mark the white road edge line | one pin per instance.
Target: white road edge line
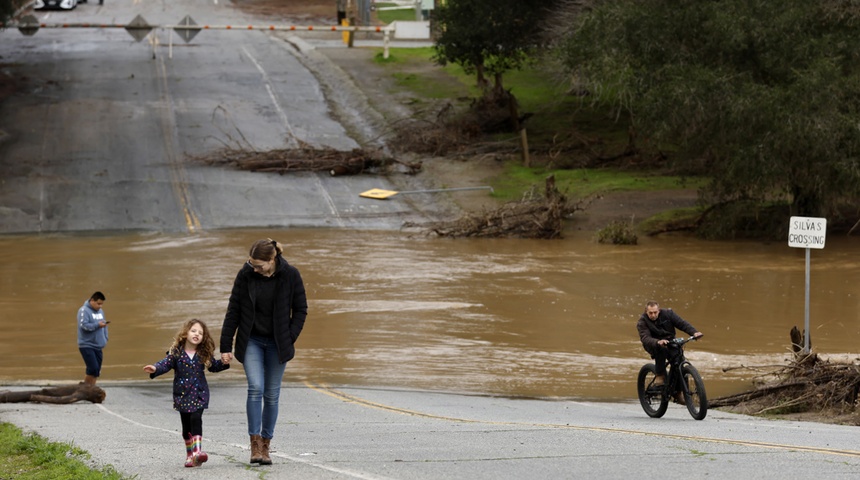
(281, 112)
(343, 471)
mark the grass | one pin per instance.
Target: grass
(402, 60)
(679, 217)
(556, 114)
(388, 16)
(33, 457)
(583, 182)
(536, 92)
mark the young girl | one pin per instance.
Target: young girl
(192, 350)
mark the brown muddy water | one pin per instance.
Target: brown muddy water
(507, 317)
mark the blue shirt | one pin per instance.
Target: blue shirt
(90, 335)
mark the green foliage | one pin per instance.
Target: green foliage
(745, 219)
(536, 88)
(488, 37)
(617, 233)
(761, 96)
(380, 58)
(33, 457)
(679, 219)
(7, 9)
(557, 113)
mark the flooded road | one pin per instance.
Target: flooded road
(507, 317)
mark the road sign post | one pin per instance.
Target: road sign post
(807, 232)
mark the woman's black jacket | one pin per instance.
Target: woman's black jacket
(290, 310)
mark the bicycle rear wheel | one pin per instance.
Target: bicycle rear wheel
(653, 398)
(697, 400)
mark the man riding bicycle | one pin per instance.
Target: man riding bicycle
(656, 328)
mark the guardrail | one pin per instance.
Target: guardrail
(187, 29)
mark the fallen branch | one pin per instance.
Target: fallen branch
(336, 162)
(58, 395)
(528, 218)
(806, 384)
(738, 398)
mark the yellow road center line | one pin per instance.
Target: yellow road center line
(747, 443)
(177, 170)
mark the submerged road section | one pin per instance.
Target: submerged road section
(327, 432)
(106, 133)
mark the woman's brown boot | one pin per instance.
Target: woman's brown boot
(264, 451)
(256, 449)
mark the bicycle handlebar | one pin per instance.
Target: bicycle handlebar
(681, 341)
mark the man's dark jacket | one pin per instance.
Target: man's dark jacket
(290, 310)
(663, 328)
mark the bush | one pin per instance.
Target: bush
(617, 233)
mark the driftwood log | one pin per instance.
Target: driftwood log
(797, 340)
(60, 395)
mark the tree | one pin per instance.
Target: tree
(488, 37)
(7, 9)
(762, 96)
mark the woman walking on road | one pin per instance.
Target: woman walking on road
(265, 313)
(193, 350)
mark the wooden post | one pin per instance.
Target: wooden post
(524, 142)
(385, 42)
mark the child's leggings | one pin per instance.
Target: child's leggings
(192, 423)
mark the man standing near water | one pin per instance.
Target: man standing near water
(92, 335)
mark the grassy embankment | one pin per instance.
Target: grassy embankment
(33, 457)
(557, 117)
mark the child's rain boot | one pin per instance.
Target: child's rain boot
(189, 459)
(197, 450)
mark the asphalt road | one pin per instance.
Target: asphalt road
(102, 139)
(350, 433)
(105, 132)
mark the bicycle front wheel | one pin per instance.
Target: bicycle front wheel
(651, 396)
(697, 400)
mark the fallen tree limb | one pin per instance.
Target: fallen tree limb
(738, 398)
(307, 159)
(806, 384)
(57, 395)
(531, 217)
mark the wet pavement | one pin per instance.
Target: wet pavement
(331, 432)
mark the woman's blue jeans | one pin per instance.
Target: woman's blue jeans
(265, 373)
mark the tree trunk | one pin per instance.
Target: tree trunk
(59, 395)
(805, 203)
(482, 79)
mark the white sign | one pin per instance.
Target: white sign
(807, 232)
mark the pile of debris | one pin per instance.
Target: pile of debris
(309, 159)
(442, 137)
(531, 217)
(806, 384)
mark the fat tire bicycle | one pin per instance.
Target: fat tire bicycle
(681, 376)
